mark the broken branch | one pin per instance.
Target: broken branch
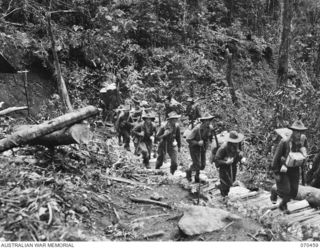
(147, 201)
(123, 180)
(226, 226)
(253, 237)
(153, 235)
(12, 109)
(50, 214)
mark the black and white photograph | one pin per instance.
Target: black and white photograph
(190, 121)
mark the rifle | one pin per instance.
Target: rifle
(302, 172)
(199, 188)
(216, 149)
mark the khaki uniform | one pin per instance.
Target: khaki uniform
(193, 113)
(144, 144)
(227, 172)
(124, 125)
(171, 135)
(287, 186)
(198, 153)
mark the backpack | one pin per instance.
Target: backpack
(216, 144)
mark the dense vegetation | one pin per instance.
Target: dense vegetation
(152, 47)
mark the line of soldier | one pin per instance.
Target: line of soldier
(140, 124)
(285, 166)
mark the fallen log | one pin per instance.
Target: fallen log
(76, 134)
(24, 136)
(12, 109)
(311, 194)
(303, 192)
(141, 200)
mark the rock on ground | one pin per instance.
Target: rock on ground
(198, 220)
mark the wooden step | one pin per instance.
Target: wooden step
(301, 213)
(296, 206)
(302, 218)
(314, 219)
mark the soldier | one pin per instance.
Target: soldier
(286, 163)
(198, 140)
(109, 100)
(170, 140)
(227, 157)
(118, 112)
(313, 175)
(136, 112)
(124, 125)
(192, 111)
(143, 131)
(168, 108)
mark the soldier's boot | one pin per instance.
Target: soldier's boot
(146, 163)
(197, 176)
(136, 151)
(283, 206)
(273, 196)
(127, 147)
(189, 175)
(119, 141)
(173, 168)
(158, 165)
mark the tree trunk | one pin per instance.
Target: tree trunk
(76, 134)
(230, 6)
(24, 136)
(61, 83)
(317, 65)
(229, 79)
(287, 15)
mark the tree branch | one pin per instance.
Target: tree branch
(63, 11)
(5, 15)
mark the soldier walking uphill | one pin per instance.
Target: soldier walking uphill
(313, 175)
(198, 143)
(136, 112)
(289, 156)
(123, 126)
(168, 108)
(192, 111)
(170, 141)
(226, 160)
(143, 132)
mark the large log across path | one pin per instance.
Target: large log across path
(77, 133)
(24, 136)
